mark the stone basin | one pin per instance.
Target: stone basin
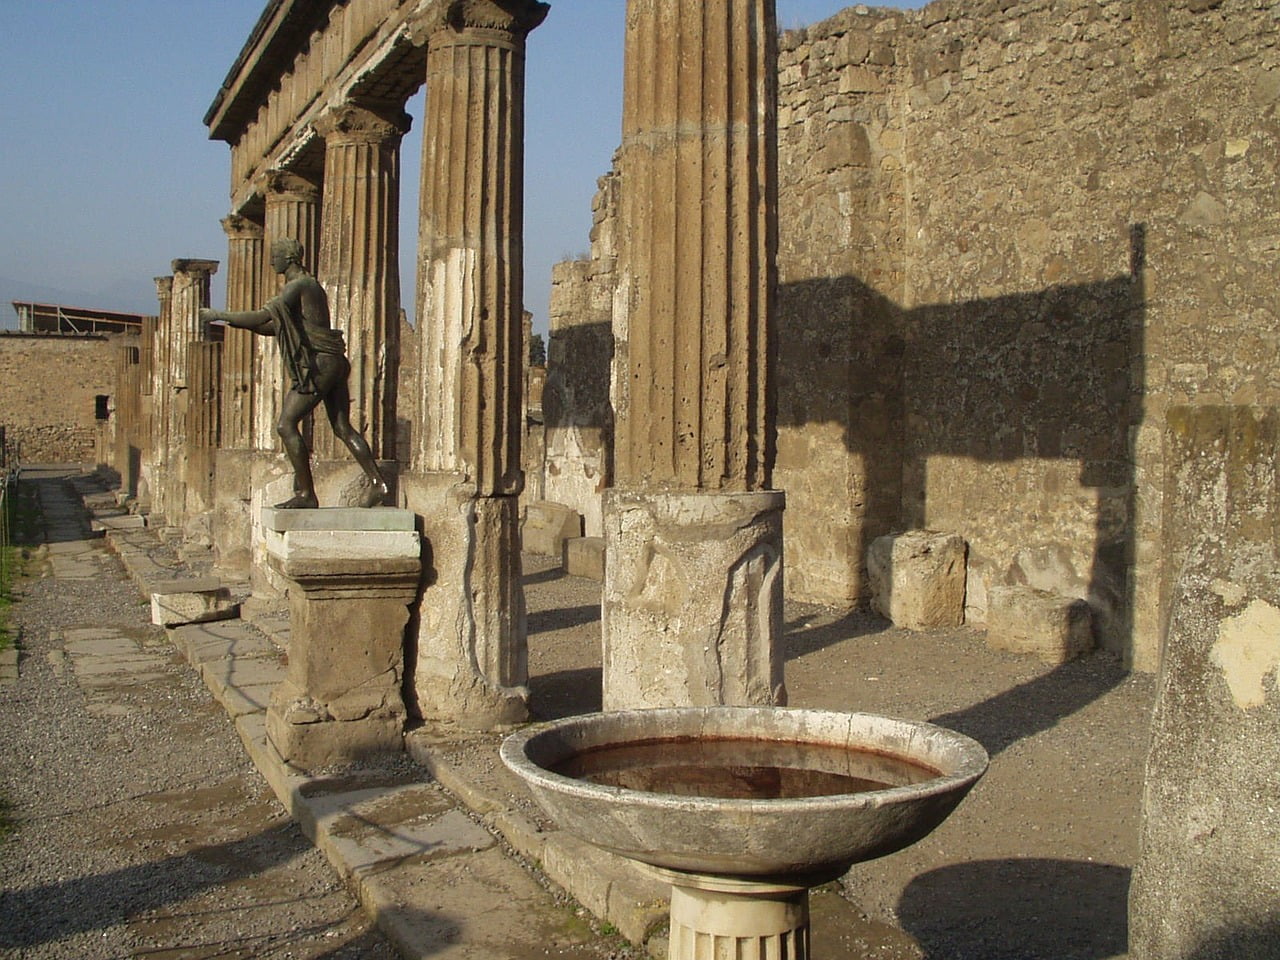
(789, 836)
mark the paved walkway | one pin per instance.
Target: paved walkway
(433, 878)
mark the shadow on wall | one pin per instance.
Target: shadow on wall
(1051, 375)
(1019, 909)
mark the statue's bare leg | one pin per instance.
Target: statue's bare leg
(296, 406)
(337, 404)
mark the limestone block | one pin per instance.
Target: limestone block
(547, 526)
(584, 557)
(131, 521)
(1022, 619)
(917, 578)
(176, 602)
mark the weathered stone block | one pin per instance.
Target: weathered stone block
(547, 526)
(584, 557)
(1022, 619)
(917, 578)
(176, 602)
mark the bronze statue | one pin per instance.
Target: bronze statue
(315, 356)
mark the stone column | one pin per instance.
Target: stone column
(161, 389)
(471, 661)
(203, 418)
(191, 281)
(245, 265)
(359, 263)
(693, 586)
(292, 210)
(1206, 885)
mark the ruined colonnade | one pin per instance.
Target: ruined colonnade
(314, 113)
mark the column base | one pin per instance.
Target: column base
(469, 659)
(693, 599)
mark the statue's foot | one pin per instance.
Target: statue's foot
(299, 501)
(375, 496)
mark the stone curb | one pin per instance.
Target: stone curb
(222, 651)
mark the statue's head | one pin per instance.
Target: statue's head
(285, 251)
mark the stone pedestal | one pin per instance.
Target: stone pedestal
(692, 599)
(714, 916)
(351, 575)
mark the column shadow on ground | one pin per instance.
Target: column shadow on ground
(51, 912)
(1019, 909)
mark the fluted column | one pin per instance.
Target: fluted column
(203, 417)
(470, 243)
(472, 656)
(244, 292)
(359, 262)
(693, 534)
(191, 282)
(161, 388)
(292, 205)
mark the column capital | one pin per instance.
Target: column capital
(237, 227)
(285, 184)
(515, 18)
(164, 287)
(207, 267)
(355, 122)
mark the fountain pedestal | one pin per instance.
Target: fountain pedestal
(742, 917)
(351, 575)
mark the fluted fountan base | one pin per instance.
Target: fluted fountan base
(692, 612)
(747, 919)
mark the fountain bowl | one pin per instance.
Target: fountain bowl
(786, 836)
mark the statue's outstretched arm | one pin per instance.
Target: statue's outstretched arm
(259, 321)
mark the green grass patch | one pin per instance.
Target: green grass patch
(19, 533)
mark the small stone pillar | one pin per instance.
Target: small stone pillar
(693, 572)
(351, 575)
(292, 210)
(1206, 884)
(359, 263)
(471, 656)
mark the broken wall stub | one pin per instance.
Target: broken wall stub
(1205, 884)
(983, 328)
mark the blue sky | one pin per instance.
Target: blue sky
(107, 174)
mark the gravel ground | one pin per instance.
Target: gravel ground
(139, 826)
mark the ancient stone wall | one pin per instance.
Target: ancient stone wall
(1009, 238)
(48, 395)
